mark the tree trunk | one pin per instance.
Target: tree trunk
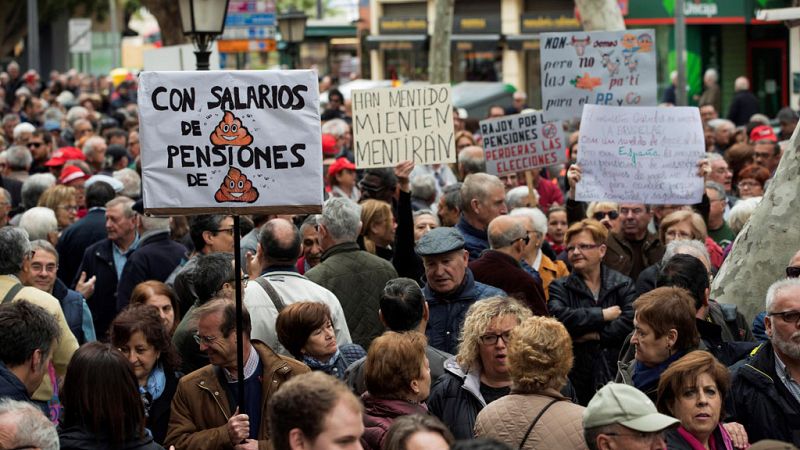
(439, 54)
(768, 241)
(168, 15)
(600, 15)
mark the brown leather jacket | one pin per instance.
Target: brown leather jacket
(200, 410)
(619, 254)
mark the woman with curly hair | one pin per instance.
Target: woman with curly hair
(539, 360)
(479, 374)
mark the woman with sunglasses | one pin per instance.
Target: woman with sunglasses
(606, 213)
(595, 304)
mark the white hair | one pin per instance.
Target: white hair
(741, 84)
(741, 212)
(335, 127)
(691, 247)
(342, 218)
(90, 144)
(23, 127)
(778, 287)
(32, 427)
(131, 182)
(711, 74)
(76, 113)
(18, 157)
(39, 222)
(516, 197)
(535, 215)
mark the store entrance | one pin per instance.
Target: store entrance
(768, 74)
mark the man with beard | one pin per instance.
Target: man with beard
(765, 394)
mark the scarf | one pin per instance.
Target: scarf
(327, 367)
(726, 443)
(152, 390)
(646, 378)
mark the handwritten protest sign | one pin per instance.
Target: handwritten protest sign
(521, 142)
(391, 125)
(640, 155)
(605, 68)
(230, 142)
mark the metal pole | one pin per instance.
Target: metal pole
(202, 55)
(115, 36)
(33, 36)
(680, 53)
(237, 269)
(319, 9)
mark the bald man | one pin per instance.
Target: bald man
(500, 265)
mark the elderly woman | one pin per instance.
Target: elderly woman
(163, 298)
(418, 431)
(606, 213)
(534, 261)
(424, 220)
(595, 303)
(398, 381)
(535, 414)
(377, 228)
(62, 200)
(305, 329)
(139, 333)
(752, 180)
(479, 374)
(664, 331)
(693, 390)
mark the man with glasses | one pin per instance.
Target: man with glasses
(40, 146)
(765, 393)
(621, 417)
(500, 265)
(205, 409)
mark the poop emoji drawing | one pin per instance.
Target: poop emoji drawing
(236, 187)
(230, 131)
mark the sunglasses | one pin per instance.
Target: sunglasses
(611, 215)
(793, 271)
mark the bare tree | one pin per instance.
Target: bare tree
(168, 15)
(600, 15)
(439, 55)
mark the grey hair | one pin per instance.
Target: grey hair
(45, 246)
(32, 427)
(18, 157)
(506, 237)
(716, 123)
(76, 113)
(711, 73)
(90, 144)
(10, 117)
(687, 247)
(311, 221)
(23, 127)
(6, 195)
(741, 212)
(15, 247)
(342, 218)
(471, 165)
(426, 212)
(718, 188)
(759, 118)
(335, 127)
(515, 198)
(534, 214)
(38, 222)
(741, 84)
(713, 156)
(777, 287)
(53, 113)
(150, 223)
(34, 186)
(126, 202)
(476, 186)
(423, 187)
(131, 182)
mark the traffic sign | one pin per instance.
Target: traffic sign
(250, 19)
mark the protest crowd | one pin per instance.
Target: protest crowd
(427, 306)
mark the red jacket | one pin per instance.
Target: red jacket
(378, 417)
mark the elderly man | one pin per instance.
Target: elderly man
(310, 249)
(21, 424)
(205, 410)
(28, 335)
(471, 160)
(483, 197)
(787, 119)
(711, 95)
(722, 174)
(354, 276)
(634, 249)
(451, 287)
(622, 417)
(449, 206)
(500, 266)
(16, 260)
(104, 261)
(744, 104)
(765, 396)
(279, 285)
(723, 134)
(766, 150)
(718, 228)
(534, 261)
(95, 151)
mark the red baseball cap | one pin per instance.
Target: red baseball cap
(63, 155)
(763, 133)
(328, 145)
(71, 173)
(339, 165)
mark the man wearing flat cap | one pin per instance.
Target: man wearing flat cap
(450, 287)
(622, 417)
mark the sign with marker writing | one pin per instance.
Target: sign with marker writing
(230, 142)
(640, 155)
(391, 125)
(604, 68)
(521, 142)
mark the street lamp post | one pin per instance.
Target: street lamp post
(292, 25)
(203, 20)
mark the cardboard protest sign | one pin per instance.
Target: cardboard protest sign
(640, 155)
(391, 125)
(605, 68)
(230, 142)
(522, 142)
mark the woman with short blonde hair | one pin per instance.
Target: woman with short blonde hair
(377, 228)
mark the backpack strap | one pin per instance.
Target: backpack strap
(12, 293)
(536, 420)
(271, 293)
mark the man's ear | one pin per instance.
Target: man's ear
(475, 205)
(768, 326)
(426, 313)
(36, 361)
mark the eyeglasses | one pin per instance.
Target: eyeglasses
(39, 267)
(68, 207)
(748, 184)
(793, 271)
(526, 239)
(582, 247)
(678, 235)
(491, 339)
(788, 316)
(599, 215)
(225, 230)
(35, 144)
(245, 280)
(208, 340)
